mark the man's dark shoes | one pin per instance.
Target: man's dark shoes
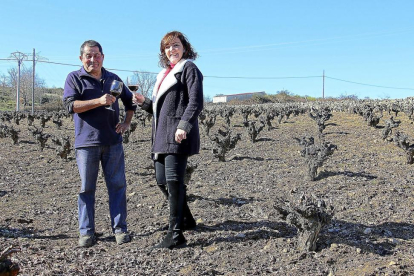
(86, 240)
(122, 238)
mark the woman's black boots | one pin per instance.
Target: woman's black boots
(189, 222)
(163, 189)
(176, 199)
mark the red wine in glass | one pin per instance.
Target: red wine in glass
(133, 87)
(115, 93)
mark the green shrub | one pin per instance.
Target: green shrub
(51, 105)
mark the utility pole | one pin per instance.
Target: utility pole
(19, 56)
(34, 74)
(35, 59)
(323, 85)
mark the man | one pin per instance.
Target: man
(98, 140)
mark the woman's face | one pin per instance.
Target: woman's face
(174, 51)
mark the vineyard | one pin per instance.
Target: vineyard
(314, 188)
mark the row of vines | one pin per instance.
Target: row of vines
(226, 126)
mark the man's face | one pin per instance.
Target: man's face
(92, 60)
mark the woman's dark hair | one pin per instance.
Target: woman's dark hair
(189, 52)
(90, 43)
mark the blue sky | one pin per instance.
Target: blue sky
(268, 45)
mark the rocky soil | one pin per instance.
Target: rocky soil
(367, 181)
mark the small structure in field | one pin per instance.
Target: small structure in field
(240, 96)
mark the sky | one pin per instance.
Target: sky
(363, 48)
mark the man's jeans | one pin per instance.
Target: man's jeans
(113, 165)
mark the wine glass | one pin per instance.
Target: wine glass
(133, 88)
(116, 89)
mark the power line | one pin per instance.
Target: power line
(373, 85)
(263, 78)
(58, 63)
(113, 69)
(237, 77)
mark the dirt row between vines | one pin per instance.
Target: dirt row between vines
(239, 233)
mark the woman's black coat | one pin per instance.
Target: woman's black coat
(176, 103)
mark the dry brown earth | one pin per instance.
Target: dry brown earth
(366, 180)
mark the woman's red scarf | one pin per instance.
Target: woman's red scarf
(166, 73)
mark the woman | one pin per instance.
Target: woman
(176, 102)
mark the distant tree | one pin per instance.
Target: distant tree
(207, 99)
(285, 92)
(348, 97)
(26, 85)
(260, 99)
(145, 81)
(4, 87)
(3, 80)
(309, 98)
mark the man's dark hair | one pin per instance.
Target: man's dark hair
(90, 43)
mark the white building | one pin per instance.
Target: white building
(241, 96)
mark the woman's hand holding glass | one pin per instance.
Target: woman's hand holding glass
(138, 98)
